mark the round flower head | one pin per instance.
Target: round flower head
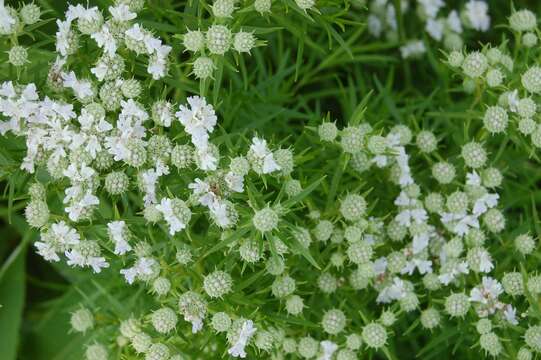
(294, 305)
(431, 282)
(182, 156)
(527, 107)
(275, 265)
(403, 132)
(203, 67)
(37, 213)
(82, 320)
(353, 207)
(346, 354)
(283, 286)
(491, 177)
(374, 335)
(524, 354)
(116, 183)
(183, 256)
(30, 13)
(457, 202)
(513, 284)
(536, 136)
(111, 96)
(130, 327)
(243, 41)
(194, 41)
(265, 220)
(475, 64)
(527, 126)
(352, 139)
(387, 318)
(292, 187)
(354, 341)
(494, 220)
(223, 8)
(531, 80)
(323, 230)
(430, 318)
(530, 39)
(159, 148)
(262, 6)
(37, 191)
(483, 326)
(434, 202)
(157, 351)
(17, 56)
(327, 283)
(250, 251)
(131, 88)
(426, 141)
(333, 321)
(164, 320)
(455, 58)
(96, 352)
(221, 322)
(305, 4)
(141, 342)
(218, 39)
(377, 144)
(359, 252)
(161, 286)
(525, 244)
(457, 305)
(264, 340)
(494, 77)
(534, 284)
(495, 119)
(289, 345)
(360, 162)
(217, 284)
(491, 344)
(284, 159)
(307, 347)
(443, 172)
(327, 131)
(532, 337)
(523, 20)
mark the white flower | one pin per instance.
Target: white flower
(6, 20)
(121, 13)
(477, 14)
(380, 266)
(76, 209)
(206, 159)
(510, 314)
(62, 37)
(434, 27)
(431, 7)
(198, 119)
(374, 25)
(328, 348)
(82, 89)
(95, 262)
(246, 332)
(484, 203)
(413, 48)
(234, 182)
(488, 291)
(396, 290)
(460, 267)
(117, 230)
(174, 222)
(513, 100)
(473, 178)
(406, 216)
(47, 251)
(143, 266)
(460, 224)
(424, 266)
(105, 40)
(261, 151)
(453, 22)
(485, 261)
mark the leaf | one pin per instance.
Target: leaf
(12, 296)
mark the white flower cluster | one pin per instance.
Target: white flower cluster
(447, 28)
